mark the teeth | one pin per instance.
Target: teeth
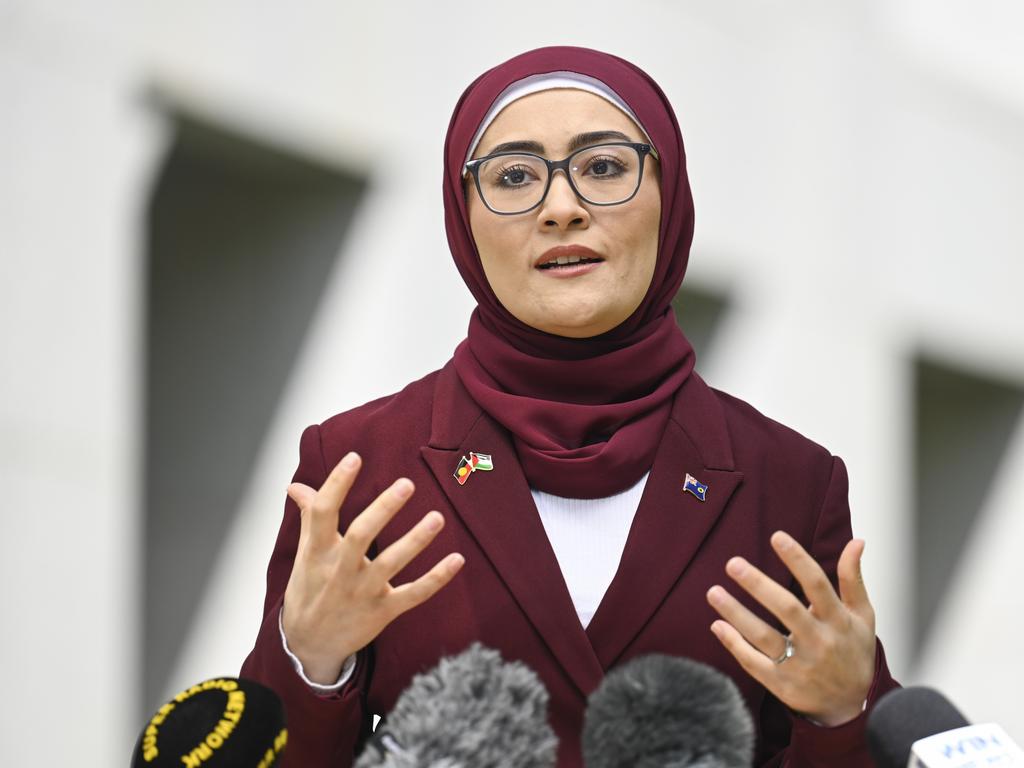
(566, 260)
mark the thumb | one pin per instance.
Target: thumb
(303, 497)
(852, 590)
(301, 494)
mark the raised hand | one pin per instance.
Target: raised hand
(825, 670)
(337, 599)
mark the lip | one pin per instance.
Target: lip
(566, 250)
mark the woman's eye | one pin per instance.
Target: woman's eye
(513, 176)
(604, 167)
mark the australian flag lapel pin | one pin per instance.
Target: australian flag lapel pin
(696, 487)
(476, 462)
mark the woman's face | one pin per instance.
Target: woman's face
(578, 302)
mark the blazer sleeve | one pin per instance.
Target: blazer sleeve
(841, 746)
(322, 730)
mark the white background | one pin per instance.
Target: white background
(858, 172)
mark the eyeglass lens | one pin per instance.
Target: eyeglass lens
(602, 174)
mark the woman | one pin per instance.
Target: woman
(587, 489)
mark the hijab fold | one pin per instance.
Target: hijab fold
(586, 415)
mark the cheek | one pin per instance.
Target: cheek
(643, 239)
(650, 225)
(482, 231)
(500, 249)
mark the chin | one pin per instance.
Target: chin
(579, 317)
(573, 328)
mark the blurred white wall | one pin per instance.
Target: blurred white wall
(858, 172)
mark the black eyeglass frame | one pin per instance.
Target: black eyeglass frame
(642, 150)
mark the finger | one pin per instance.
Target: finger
(371, 521)
(426, 586)
(303, 497)
(852, 590)
(323, 512)
(757, 665)
(782, 603)
(759, 633)
(811, 577)
(402, 552)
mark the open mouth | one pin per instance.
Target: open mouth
(567, 262)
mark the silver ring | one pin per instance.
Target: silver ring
(788, 652)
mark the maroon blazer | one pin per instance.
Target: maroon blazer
(510, 595)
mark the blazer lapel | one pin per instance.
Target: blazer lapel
(498, 510)
(670, 524)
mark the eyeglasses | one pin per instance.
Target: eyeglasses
(516, 182)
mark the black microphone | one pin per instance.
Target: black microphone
(667, 712)
(905, 715)
(215, 724)
(470, 711)
(919, 726)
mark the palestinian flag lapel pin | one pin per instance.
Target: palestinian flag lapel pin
(476, 462)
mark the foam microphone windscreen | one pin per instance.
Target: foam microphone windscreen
(904, 716)
(470, 711)
(667, 712)
(216, 724)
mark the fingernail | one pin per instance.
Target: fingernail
(351, 460)
(715, 628)
(736, 567)
(456, 562)
(715, 595)
(434, 522)
(782, 540)
(403, 488)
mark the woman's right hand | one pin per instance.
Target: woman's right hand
(337, 599)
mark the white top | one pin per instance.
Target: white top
(587, 536)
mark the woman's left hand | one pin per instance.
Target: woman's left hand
(828, 674)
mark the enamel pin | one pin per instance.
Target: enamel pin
(695, 486)
(476, 461)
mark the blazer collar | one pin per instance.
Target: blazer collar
(670, 524)
(498, 510)
(668, 527)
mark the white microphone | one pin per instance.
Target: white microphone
(972, 746)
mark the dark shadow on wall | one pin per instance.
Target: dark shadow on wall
(241, 239)
(963, 424)
(699, 313)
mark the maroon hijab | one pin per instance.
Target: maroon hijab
(586, 415)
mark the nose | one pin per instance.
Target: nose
(562, 209)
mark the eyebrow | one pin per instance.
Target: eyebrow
(577, 141)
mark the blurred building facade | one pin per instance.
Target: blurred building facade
(214, 219)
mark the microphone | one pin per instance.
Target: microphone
(661, 711)
(918, 727)
(470, 711)
(217, 723)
